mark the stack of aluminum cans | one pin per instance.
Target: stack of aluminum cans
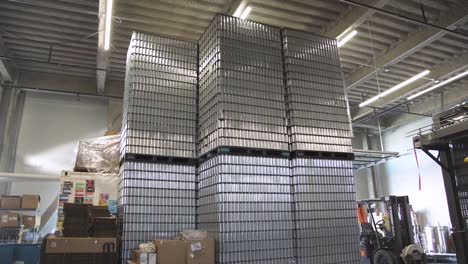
(242, 96)
(317, 106)
(160, 97)
(156, 201)
(245, 203)
(325, 211)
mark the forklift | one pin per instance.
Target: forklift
(390, 240)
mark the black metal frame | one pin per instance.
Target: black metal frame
(445, 132)
(459, 227)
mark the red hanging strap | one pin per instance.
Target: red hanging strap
(417, 163)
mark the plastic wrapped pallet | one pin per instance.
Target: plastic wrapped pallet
(99, 154)
(317, 107)
(242, 97)
(245, 203)
(156, 201)
(325, 211)
(160, 97)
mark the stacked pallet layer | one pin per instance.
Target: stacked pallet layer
(156, 201)
(159, 116)
(242, 97)
(325, 211)
(317, 107)
(245, 204)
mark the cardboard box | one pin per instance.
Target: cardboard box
(30, 201)
(78, 244)
(170, 251)
(10, 202)
(139, 257)
(9, 220)
(29, 222)
(201, 252)
(152, 258)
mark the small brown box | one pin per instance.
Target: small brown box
(29, 222)
(201, 252)
(9, 220)
(30, 201)
(139, 257)
(170, 251)
(10, 202)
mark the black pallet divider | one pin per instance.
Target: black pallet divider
(158, 159)
(322, 155)
(242, 151)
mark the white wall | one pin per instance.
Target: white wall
(400, 176)
(50, 128)
(361, 179)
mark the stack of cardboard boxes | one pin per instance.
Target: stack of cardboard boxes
(103, 227)
(89, 237)
(76, 220)
(178, 251)
(17, 203)
(84, 220)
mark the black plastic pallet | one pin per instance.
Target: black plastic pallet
(158, 159)
(322, 155)
(270, 153)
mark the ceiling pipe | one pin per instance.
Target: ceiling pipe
(53, 63)
(381, 10)
(45, 90)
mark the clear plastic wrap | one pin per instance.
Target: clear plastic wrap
(99, 154)
(147, 247)
(194, 235)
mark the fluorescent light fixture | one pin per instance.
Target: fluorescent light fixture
(347, 38)
(107, 30)
(395, 88)
(238, 11)
(440, 84)
(246, 12)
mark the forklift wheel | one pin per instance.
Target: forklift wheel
(383, 256)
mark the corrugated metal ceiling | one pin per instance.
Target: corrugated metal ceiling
(65, 33)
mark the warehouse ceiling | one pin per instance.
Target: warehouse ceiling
(59, 41)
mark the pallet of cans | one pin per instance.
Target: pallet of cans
(156, 201)
(160, 97)
(241, 96)
(317, 107)
(325, 211)
(245, 204)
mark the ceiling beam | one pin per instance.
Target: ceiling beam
(8, 69)
(102, 57)
(61, 83)
(442, 71)
(352, 19)
(408, 46)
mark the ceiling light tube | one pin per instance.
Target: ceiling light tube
(394, 88)
(440, 84)
(347, 38)
(239, 9)
(246, 12)
(107, 30)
